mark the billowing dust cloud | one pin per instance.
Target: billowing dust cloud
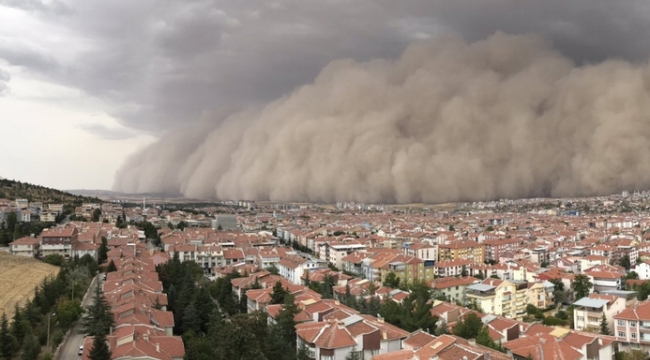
(507, 117)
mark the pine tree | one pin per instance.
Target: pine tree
(103, 251)
(604, 328)
(30, 348)
(6, 346)
(16, 326)
(100, 318)
(286, 322)
(279, 293)
(100, 350)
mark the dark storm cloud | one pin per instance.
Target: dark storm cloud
(165, 62)
(162, 64)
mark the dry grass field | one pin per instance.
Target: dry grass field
(18, 278)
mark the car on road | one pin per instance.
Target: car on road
(81, 350)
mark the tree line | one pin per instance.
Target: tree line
(56, 300)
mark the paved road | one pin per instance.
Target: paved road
(70, 348)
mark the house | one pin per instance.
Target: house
(589, 311)
(643, 269)
(335, 339)
(48, 217)
(451, 288)
(59, 240)
(452, 267)
(632, 328)
(25, 246)
(419, 346)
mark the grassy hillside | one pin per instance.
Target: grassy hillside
(10, 189)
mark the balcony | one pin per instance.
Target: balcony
(480, 294)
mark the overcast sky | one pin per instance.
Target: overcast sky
(85, 83)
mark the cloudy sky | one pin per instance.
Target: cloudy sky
(86, 83)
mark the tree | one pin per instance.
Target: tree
(54, 259)
(67, 312)
(181, 225)
(111, 267)
(100, 318)
(484, 339)
(102, 254)
(30, 348)
(463, 273)
(624, 261)
(273, 269)
(96, 214)
(17, 329)
(604, 328)
(6, 341)
(469, 326)
(279, 293)
(327, 289)
(581, 286)
(100, 350)
(391, 280)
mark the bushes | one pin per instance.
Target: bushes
(553, 321)
(562, 315)
(54, 259)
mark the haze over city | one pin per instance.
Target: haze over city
(329, 101)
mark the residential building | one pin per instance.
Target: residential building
(462, 250)
(334, 339)
(25, 246)
(589, 311)
(632, 328)
(452, 288)
(59, 240)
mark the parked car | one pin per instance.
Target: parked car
(81, 350)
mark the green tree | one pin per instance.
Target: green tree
(469, 326)
(6, 341)
(624, 261)
(581, 286)
(54, 259)
(99, 319)
(17, 330)
(181, 225)
(100, 349)
(68, 312)
(30, 348)
(279, 293)
(391, 280)
(484, 339)
(604, 327)
(102, 253)
(96, 214)
(327, 289)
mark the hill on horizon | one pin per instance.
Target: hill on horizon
(12, 190)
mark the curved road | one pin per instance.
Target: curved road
(70, 348)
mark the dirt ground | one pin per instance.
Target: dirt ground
(18, 278)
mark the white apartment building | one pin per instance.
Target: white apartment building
(589, 311)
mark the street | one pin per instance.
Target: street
(70, 348)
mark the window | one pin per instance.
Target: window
(621, 323)
(326, 357)
(632, 323)
(621, 334)
(633, 335)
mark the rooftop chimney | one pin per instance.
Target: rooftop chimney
(472, 342)
(157, 347)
